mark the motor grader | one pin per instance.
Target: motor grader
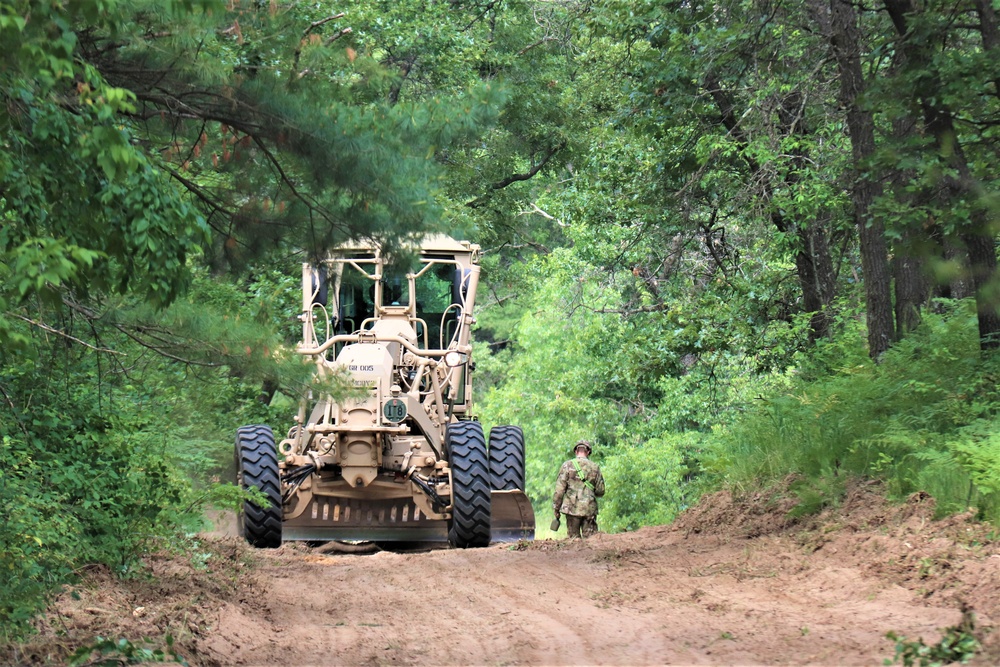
(400, 459)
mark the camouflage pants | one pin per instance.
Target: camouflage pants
(580, 526)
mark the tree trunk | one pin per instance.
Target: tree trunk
(841, 24)
(961, 189)
(816, 276)
(911, 290)
(909, 264)
(990, 34)
(813, 260)
(957, 287)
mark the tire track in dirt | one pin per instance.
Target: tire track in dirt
(653, 597)
(733, 582)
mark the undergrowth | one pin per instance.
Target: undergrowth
(926, 417)
(958, 645)
(114, 653)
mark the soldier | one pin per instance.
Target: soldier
(579, 486)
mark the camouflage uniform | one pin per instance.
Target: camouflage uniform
(579, 486)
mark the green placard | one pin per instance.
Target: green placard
(394, 410)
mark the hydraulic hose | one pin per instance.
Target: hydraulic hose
(293, 478)
(439, 503)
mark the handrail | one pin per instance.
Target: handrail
(356, 338)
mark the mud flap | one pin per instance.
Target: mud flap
(513, 518)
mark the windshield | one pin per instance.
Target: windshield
(433, 302)
(357, 300)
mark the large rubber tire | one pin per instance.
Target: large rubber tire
(507, 458)
(470, 485)
(257, 467)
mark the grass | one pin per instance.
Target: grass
(924, 418)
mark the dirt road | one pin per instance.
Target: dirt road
(732, 583)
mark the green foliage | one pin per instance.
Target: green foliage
(33, 561)
(550, 388)
(112, 653)
(815, 494)
(922, 419)
(80, 487)
(648, 414)
(84, 206)
(645, 243)
(61, 515)
(110, 454)
(120, 395)
(958, 645)
(648, 482)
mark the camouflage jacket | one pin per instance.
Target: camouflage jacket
(577, 491)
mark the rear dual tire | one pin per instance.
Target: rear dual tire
(507, 458)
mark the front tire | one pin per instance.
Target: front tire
(470, 485)
(257, 467)
(507, 458)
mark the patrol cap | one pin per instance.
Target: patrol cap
(583, 443)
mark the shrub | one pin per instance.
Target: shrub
(924, 418)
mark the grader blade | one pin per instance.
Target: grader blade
(512, 518)
(376, 520)
(400, 520)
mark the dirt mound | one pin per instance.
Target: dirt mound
(182, 596)
(956, 558)
(953, 562)
(736, 580)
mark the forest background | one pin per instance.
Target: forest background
(730, 242)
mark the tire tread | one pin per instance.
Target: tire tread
(507, 458)
(257, 460)
(470, 523)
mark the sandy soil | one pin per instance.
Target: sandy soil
(733, 582)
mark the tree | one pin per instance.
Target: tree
(918, 30)
(143, 142)
(839, 22)
(738, 129)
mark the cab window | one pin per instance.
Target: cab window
(434, 301)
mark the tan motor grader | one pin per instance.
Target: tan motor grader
(402, 460)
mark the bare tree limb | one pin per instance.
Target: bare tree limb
(312, 26)
(46, 327)
(482, 14)
(337, 35)
(514, 178)
(130, 332)
(162, 352)
(533, 45)
(14, 412)
(316, 24)
(536, 209)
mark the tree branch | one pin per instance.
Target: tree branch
(46, 327)
(162, 352)
(14, 412)
(514, 178)
(534, 44)
(90, 315)
(308, 31)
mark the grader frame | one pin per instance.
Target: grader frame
(401, 459)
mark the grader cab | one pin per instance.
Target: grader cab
(401, 459)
